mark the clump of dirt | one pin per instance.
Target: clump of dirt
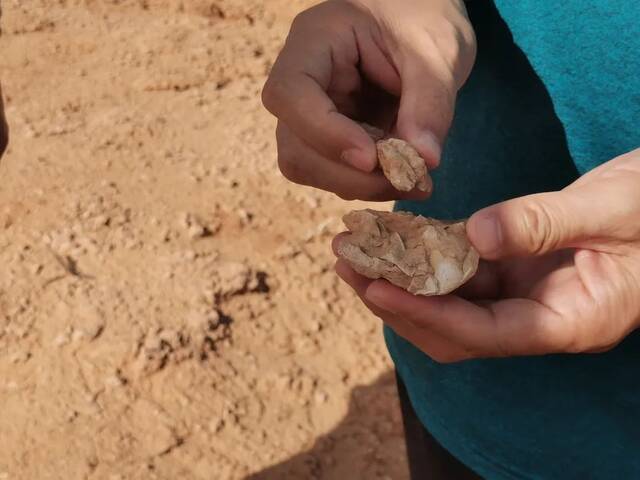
(198, 339)
(234, 278)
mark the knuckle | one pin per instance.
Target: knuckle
(561, 335)
(319, 14)
(535, 225)
(265, 95)
(503, 348)
(467, 40)
(448, 49)
(272, 93)
(291, 169)
(301, 19)
(451, 50)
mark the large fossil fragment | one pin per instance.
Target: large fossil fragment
(422, 255)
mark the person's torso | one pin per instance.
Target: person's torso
(555, 92)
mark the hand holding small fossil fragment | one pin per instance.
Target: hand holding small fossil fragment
(374, 61)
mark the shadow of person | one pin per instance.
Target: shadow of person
(367, 444)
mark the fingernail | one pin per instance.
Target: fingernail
(486, 234)
(429, 146)
(357, 159)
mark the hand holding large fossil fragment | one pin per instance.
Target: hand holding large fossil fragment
(422, 255)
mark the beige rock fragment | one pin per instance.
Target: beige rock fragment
(193, 226)
(400, 162)
(402, 165)
(422, 255)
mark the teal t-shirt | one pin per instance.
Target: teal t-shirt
(555, 92)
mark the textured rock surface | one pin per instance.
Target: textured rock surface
(402, 165)
(400, 162)
(422, 255)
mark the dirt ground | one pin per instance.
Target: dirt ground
(168, 308)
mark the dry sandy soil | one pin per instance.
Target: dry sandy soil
(168, 308)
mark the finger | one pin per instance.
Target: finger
(434, 345)
(359, 284)
(302, 164)
(598, 207)
(534, 225)
(375, 100)
(426, 107)
(375, 63)
(296, 93)
(504, 328)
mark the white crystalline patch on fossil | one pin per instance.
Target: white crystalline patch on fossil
(422, 255)
(447, 270)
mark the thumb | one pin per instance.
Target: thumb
(533, 225)
(426, 108)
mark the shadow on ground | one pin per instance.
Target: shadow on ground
(367, 444)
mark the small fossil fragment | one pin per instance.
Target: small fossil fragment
(402, 165)
(422, 255)
(400, 162)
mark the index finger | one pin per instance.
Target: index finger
(296, 93)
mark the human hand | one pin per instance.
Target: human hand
(562, 275)
(397, 65)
